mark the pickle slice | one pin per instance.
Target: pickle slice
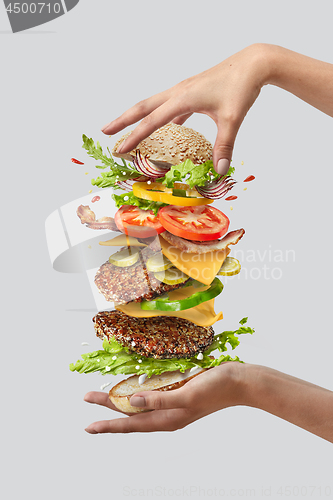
(171, 276)
(125, 258)
(158, 263)
(230, 267)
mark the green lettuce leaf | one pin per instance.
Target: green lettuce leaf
(131, 199)
(193, 175)
(115, 359)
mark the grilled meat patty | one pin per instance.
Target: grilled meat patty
(157, 337)
(133, 283)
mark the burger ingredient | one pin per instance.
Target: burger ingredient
(164, 304)
(74, 160)
(203, 247)
(171, 276)
(127, 284)
(202, 267)
(155, 191)
(158, 263)
(147, 168)
(125, 257)
(217, 188)
(122, 240)
(130, 199)
(230, 267)
(194, 223)
(88, 218)
(127, 184)
(249, 178)
(115, 359)
(117, 172)
(138, 223)
(160, 338)
(193, 175)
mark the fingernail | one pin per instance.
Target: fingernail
(138, 401)
(105, 126)
(222, 166)
(91, 430)
(121, 147)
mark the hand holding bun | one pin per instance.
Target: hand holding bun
(205, 393)
(230, 384)
(226, 92)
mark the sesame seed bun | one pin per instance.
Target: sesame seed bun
(171, 145)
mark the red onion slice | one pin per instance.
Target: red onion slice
(127, 185)
(217, 188)
(145, 167)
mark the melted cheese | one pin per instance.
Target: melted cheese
(202, 315)
(199, 266)
(122, 240)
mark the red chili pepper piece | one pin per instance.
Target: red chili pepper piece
(95, 198)
(74, 160)
(249, 178)
(231, 198)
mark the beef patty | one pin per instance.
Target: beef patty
(157, 337)
(131, 284)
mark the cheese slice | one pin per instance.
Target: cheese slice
(122, 240)
(202, 315)
(199, 266)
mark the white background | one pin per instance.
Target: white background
(72, 76)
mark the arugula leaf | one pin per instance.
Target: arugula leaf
(115, 359)
(193, 175)
(117, 172)
(131, 199)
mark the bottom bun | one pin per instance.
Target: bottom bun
(121, 393)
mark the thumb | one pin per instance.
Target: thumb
(223, 147)
(158, 400)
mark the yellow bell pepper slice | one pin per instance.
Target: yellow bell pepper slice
(155, 191)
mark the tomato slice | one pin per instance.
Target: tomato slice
(133, 221)
(201, 223)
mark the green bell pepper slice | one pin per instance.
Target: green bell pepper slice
(163, 304)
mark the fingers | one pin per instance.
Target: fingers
(224, 145)
(136, 113)
(162, 420)
(169, 415)
(100, 398)
(159, 400)
(153, 121)
(179, 120)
